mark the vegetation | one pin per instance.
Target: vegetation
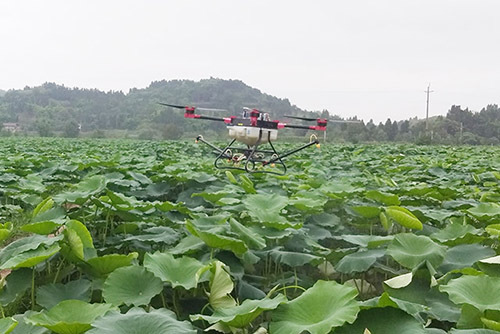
(106, 236)
(48, 110)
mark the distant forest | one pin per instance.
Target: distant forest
(52, 109)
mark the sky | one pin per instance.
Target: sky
(372, 59)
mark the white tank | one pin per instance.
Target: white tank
(250, 135)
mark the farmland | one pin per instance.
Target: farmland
(103, 236)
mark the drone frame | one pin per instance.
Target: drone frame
(252, 155)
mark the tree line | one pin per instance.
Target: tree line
(52, 109)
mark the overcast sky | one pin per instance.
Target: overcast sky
(368, 58)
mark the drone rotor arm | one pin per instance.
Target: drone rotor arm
(307, 127)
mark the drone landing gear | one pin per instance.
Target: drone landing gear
(251, 159)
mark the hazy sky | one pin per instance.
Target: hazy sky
(368, 58)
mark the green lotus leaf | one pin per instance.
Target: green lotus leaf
(132, 285)
(69, 316)
(178, 272)
(383, 321)
(141, 178)
(294, 259)
(187, 245)
(463, 256)
(410, 250)
(490, 266)
(72, 248)
(215, 240)
(384, 220)
(339, 188)
(25, 244)
(103, 265)
(221, 286)
(472, 331)
(136, 320)
(491, 324)
(7, 325)
(82, 232)
(493, 229)
(366, 211)
(31, 258)
(5, 230)
(470, 317)
(50, 295)
(367, 241)
(308, 204)
(43, 227)
(156, 234)
(252, 239)
(485, 211)
(15, 285)
(231, 177)
(266, 208)
(43, 206)
(24, 327)
(383, 197)
(360, 261)
(479, 291)
(242, 315)
(453, 232)
(83, 190)
(324, 306)
(403, 217)
(212, 197)
(57, 215)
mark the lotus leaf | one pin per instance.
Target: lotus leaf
(136, 320)
(382, 321)
(7, 325)
(50, 295)
(463, 256)
(403, 217)
(69, 316)
(103, 265)
(132, 285)
(360, 261)
(31, 258)
(178, 272)
(324, 306)
(221, 286)
(266, 208)
(242, 315)
(43, 227)
(479, 291)
(410, 250)
(383, 197)
(485, 211)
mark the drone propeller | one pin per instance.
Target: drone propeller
(302, 118)
(172, 105)
(190, 107)
(330, 120)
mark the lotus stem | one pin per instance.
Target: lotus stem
(33, 289)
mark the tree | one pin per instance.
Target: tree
(172, 132)
(44, 128)
(71, 129)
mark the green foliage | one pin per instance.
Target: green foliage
(140, 223)
(55, 109)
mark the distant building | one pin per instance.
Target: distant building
(11, 127)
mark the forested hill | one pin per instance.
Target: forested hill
(52, 109)
(52, 106)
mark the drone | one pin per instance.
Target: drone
(251, 130)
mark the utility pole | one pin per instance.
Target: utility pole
(428, 91)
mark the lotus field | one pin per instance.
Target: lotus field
(107, 237)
